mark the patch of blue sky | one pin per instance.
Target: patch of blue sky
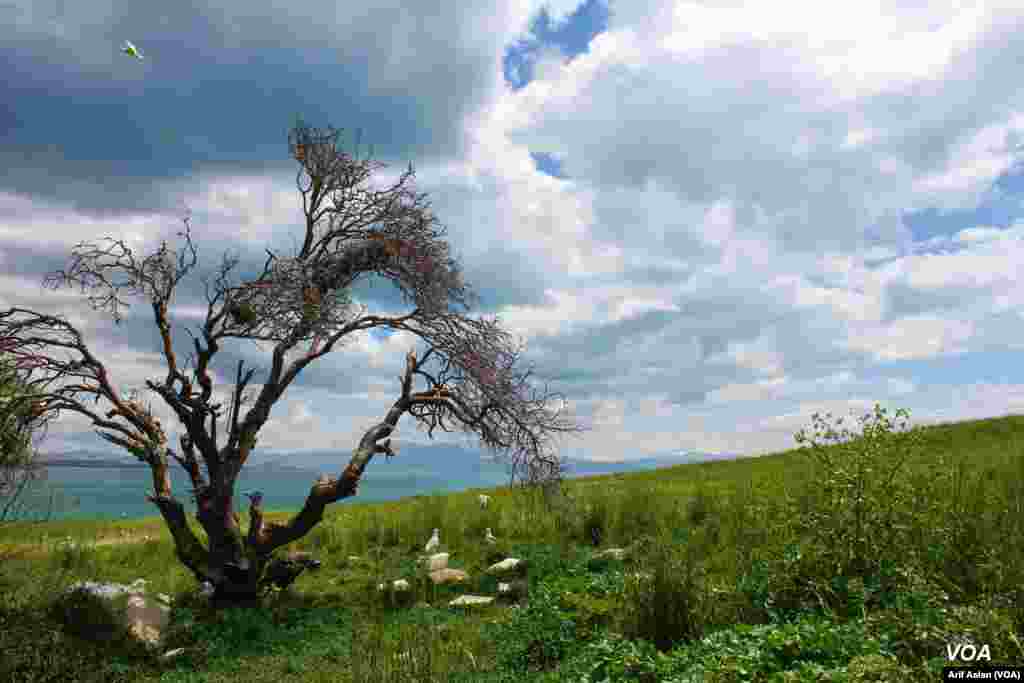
(547, 164)
(1000, 209)
(981, 367)
(380, 333)
(572, 36)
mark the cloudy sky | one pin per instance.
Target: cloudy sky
(707, 220)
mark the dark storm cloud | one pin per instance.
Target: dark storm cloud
(219, 85)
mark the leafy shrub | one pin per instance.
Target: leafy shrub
(613, 658)
(800, 651)
(858, 522)
(754, 586)
(537, 637)
(915, 634)
(794, 584)
(674, 604)
(877, 668)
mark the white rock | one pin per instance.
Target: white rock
(143, 620)
(437, 561)
(505, 565)
(466, 600)
(103, 590)
(448, 576)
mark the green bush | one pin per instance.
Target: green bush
(923, 632)
(877, 668)
(537, 637)
(614, 658)
(674, 604)
(858, 521)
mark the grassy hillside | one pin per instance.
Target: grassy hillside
(854, 562)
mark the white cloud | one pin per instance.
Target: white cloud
(726, 254)
(914, 338)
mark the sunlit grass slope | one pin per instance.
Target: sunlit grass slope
(859, 561)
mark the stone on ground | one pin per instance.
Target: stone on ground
(443, 576)
(508, 566)
(121, 610)
(436, 561)
(470, 600)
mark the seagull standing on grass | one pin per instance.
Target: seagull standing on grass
(435, 542)
(131, 50)
(489, 537)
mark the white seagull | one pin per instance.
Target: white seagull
(489, 537)
(435, 542)
(131, 50)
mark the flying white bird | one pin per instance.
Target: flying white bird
(435, 542)
(131, 50)
(489, 537)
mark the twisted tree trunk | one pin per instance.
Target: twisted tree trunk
(240, 567)
(240, 573)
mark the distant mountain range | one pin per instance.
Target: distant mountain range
(586, 468)
(437, 462)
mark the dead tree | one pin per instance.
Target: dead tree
(298, 304)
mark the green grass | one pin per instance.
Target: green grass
(842, 563)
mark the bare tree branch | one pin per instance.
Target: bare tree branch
(471, 368)
(31, 338)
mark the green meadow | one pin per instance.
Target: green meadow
(855, 559)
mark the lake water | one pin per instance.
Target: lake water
(120, 493)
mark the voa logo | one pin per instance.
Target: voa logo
(967, 652)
